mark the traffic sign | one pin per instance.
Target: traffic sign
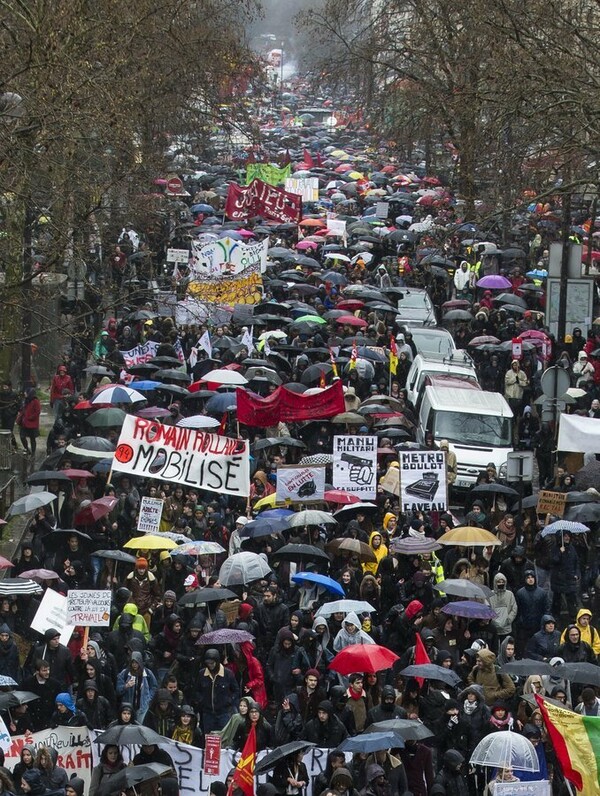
(174, 185)
(555, 382)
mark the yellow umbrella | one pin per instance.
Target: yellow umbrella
(267, 502)
(469, 536)
(150, 542)
(338, 153)
(356, 175)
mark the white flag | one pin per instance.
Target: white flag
(248, 341)
(193, 357)
(205, 344)
(267, 348)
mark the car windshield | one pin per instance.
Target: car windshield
(472, 429)
(433, 343)
(412, 301)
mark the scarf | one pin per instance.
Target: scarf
(501, 724)
(355, 694)
(470, 707)
(183, 734)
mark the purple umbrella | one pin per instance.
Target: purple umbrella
(225, 636)
(151, 412)
(470, 610)
(494, 282)
(410, 546)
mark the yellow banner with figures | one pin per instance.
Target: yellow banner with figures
(235, 289)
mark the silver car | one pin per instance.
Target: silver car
(416, 308)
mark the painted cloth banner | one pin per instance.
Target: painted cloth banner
(355, 465)
(260, 199)
(272, 175)
(52, 612)
(246, 288)
(306, 187)
(73, 745)
(146, 351)
(227, 257)
(190, 311)
(183, 455)
(423, 481)
(300, 484)
(286, 405)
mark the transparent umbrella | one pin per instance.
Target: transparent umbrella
(506, 749)
(242, 568)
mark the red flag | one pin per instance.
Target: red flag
(319, 160)
(243, 776)
(421, 655)
(307, 158)
(223, 425)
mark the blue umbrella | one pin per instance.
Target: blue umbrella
(203, 209)
(321, 580)
(102, 467)
(372, 742)
(145, 385)
(538, 273)
(263, 526)
(469, 609)
(560, 526)
(222, 402)
(276, 513)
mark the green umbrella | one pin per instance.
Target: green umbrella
(106, 418)
(310, 319)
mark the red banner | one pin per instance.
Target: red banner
(286, 405)
(261, 199)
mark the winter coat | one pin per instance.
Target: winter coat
(345, 639)
(478, 721)
(588, 633)
(29, 415)
(565, 574)
(504, 603)
(326, 735)
(255, 676)
(496, 686)
(9, 656)
(145, 591)
(60, 660)
(98, 713)
(60, 383)
(542, 645)
(270, 618)
(514, 384)
(280, 665)
(532, 604)
(218, 694)
(141, 692)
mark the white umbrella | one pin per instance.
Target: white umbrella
(275, 334)
(336, 256)
(118, 394)
(199, 421)
(30, 502)
(506, 749)
(243, 568)
(345, 606)
(310, 517)
(229, 377)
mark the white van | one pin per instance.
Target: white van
(478, 426)
(459, 365)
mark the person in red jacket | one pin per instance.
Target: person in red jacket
(61, 385)
(253, 677)
(29, 421)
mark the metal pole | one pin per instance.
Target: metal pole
(564, 271)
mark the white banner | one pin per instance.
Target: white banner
(150, 514)
(73, 745)
(89, 607)
(300, 484)
(578, 434)
(355, 465)
(336, 227)
(423, 481)
(52, 612)
(146, 351)
(192, 311)
(227, 256)
(183, 455)
(306, 187)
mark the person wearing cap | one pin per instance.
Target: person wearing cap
(58, 656)
(235, 542)
(144, 587)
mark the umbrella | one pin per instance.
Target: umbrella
(115, 555)
(72, 472)
(91, 447)
(320, 580)
(229, 378)
(494, 282)
(430, 671)
(130, 776)
(461, 587)
(147, 385)
(349, 418)
(14, 698)
(29, 503)
(6, 681)
(411, 546)
(95, 510)
(130, 735)
(117, 394)
(469, 609)
(243, 568)
(527, 666)
(173, 375)
(43, 476)
(317, 458)
(353, 546)
(60, 537)
(18, 586)
(310, 517)
(562, 526)
(153, 412)
(264, 526)
(150, 542)
(372, 742)
(174, 389)
(208, 595)
(198, 421)
(345, 607)
(272, 442)
(293, 552)
(469, 536)
(39, 574)
(363, 658)
(586, 512)
(198, 548)
(485, 339)
(222, 402)
(457, 315)
(586, 673)
(409, 729)
(105, 418)
(225, 635)
(4, 562)
(271, 759)
(340, 497)
(494, 489)
(506, 749)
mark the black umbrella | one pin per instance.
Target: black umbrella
(458, 315)
(208, 595)
(586, 673)
(130, 776)
(585, 512)
(409, 729)
(527, 666)
(172, 375)
(292, 552)
(588, 476)
(173, 389)
(126, 735)
(165, 361)
(430, 671)
(144, 369)
(42, 476)
(116, 555)
(60, 537)
(14, 698)
(271, 759)
(494, 489)
(313, 373)
(272, 442)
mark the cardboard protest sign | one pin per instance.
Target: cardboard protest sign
(150, 514)
(355, 465)
(89, 607)
(300, 484)
(423, 481)
(53, 613)
(551, 502)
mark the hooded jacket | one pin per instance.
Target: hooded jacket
(504, 603)
(543, 645)
(139, 623)
(496, 686)
(345, 639)
(328, 734)
(139, 694)
(532, 604)
(281, 662)
(588, 633)
(380, 552)
(255, 676)
(145, 590)
(477, 720)
(9, 655)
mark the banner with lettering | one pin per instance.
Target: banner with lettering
(300, 484)
(144, 352)
(272, 175)
(244, 288)
(306, 187)
(260, 199)
(423, 485)
(183, 455)
(227, 257)
(355, 465)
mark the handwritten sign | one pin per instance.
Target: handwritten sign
(551, 503)
(212, 755)
(53, 613)
(150, 514)
(88, 607)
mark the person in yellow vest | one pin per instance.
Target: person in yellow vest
(587, 631)
(474, 273)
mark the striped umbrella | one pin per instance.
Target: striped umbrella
(17, 586)
(563, 526)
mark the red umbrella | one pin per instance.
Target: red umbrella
(5, 563)
(350, 304)
(87, 405)
(95, 510)
(352, 320)
(340, 497)
(363, 658)
(71, 473)
(456, 304)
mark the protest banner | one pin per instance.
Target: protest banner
(5, 739)
(191, 311)
(260, 199)
(336, 227)
(227, 257)
(52, 612)
(286, 405)
(184, 455)
(146, 351)
(306, 187)
(423, 484)
(540, 787)
(272, 175)
(300, 484)
(150, 514)
(72, 744)
(551, 502)
(89, 607)
(355, 465)
(243, 289)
